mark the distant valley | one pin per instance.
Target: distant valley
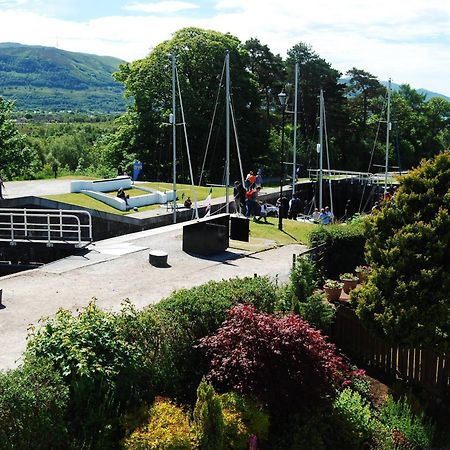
(49, 79)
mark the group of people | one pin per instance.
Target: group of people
(246, 197)
(324, 216)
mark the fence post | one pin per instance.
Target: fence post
(49, 242)
(12, 230)
(25, 221)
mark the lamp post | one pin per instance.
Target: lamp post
(282, 97)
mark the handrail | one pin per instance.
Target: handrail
(51, 225)
(351, 174)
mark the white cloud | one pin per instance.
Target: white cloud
(405, 40)
(12, 3)
(160, 7)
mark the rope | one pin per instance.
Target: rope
(237, 141)
(194, 190)
(212, 123)
(328, 157)
(373, 151)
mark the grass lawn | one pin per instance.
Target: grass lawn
(85, 201)
(186, 189)
(293, 232)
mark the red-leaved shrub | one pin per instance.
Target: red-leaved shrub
(283, 361)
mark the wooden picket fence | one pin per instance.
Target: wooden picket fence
(419, 366)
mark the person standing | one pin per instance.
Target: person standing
(239, 197)
(250, 179)
(251, 196)
(294, 207)
(55, 169)
(258, 179)
(348, 210)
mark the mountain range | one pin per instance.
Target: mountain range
(428, 94)
(49, 79)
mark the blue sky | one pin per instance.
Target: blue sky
(407, 40)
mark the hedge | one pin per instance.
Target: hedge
(343, 248)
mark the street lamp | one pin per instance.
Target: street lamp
(283, 100)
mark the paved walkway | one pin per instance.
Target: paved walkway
(14, 189)
(116, 269)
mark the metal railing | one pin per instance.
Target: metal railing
(46, 225)
(363, 177)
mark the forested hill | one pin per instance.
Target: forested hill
(50, 79)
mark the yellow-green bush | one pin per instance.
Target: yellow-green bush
(167, 428)
(242, 418)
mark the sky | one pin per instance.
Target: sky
(405, 40)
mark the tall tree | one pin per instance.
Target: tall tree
(363, 86)
(200, 58)
(365, 99)
(268, 70)
(316, 74)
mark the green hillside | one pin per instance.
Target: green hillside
(50, 79)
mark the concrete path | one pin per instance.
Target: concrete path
(14, 189)
(116, 269)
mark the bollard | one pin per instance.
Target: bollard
(158, 258)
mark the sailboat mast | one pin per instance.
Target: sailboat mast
(321, 106)
(227, 119)
(294, 152)
(174, 136)
(388, 128)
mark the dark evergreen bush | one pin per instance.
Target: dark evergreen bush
(406, 296)
(342, 250)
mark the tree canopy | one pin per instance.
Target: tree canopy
(200, 60)
(15, 158)
(355, 112)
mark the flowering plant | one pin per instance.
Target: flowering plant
(333, 284)
(365, 269)
(348, 276)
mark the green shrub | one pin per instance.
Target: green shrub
(306, 431)
(285, 298)
(96, 362)
(235, 433)
(318, 312)
(198, 312)
(343, 249)
(208, 418)
(360, 383)
(156, 333)
(168, 428)
(355, 416)
(406, 429)
(408, 243)
(303, 278)
(301, 285)
(242, 418)
(33, 404)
